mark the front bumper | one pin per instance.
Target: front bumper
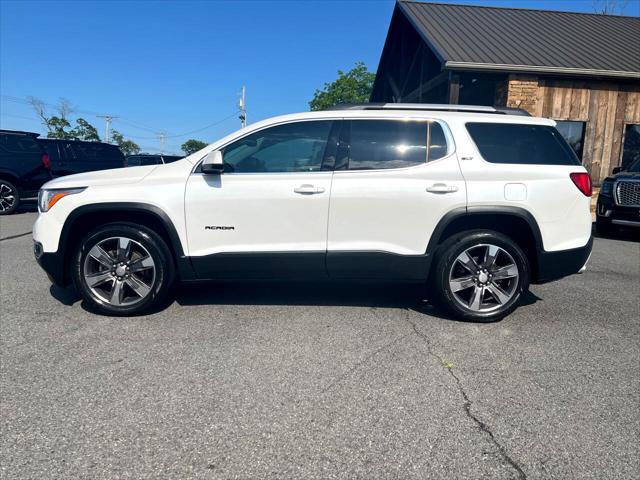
(608, 212)
(555, 265)
(53, 265)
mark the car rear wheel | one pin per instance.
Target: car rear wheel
(480, 276)
(123, 269)
(9, 197)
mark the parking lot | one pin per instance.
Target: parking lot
(313, 380)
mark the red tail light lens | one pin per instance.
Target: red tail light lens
(46, 162)
(582, 180)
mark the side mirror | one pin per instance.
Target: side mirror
(616, 170)
(213, 163)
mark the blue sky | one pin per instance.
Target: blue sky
(177, 66)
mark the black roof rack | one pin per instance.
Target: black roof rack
(440, 107)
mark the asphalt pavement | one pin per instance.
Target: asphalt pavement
(307, 380)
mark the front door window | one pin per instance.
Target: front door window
(292, 147)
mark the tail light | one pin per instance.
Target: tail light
(582, 180)
(46, 162)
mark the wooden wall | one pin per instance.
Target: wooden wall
(605, 107)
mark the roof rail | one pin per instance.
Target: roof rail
(441, 107)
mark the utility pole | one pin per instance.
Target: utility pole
(161, 138)
(243, 108)
(107, 119)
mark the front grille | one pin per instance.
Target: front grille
(628, 193)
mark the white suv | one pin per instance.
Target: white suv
(475, 202)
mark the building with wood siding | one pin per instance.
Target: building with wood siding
(582, 70)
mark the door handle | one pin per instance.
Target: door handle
(307, 189)
(442, 188)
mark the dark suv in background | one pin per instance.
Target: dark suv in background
(24, 167)
(73, 156)
(149, 159)
(27, 162)
(619, 200)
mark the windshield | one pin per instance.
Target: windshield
(635, 167)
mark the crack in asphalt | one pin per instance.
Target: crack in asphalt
(358, 364)
(15, 236)
(467, 403)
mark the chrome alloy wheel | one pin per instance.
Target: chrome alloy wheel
(7, 197)
(483, 278)
(119, 271)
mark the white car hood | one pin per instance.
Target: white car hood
(119, 176)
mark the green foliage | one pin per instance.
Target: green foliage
(192, 145)
(352, 87)
(56, 127)
(85, 131)
(128, 147)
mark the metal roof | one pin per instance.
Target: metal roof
(515, 39)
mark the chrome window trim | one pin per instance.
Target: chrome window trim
(451, 145)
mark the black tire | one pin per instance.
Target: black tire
(9, 197)
(158, 287)
(446, 262)
(604, 229)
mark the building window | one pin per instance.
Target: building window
(573, 133)
(631, 146)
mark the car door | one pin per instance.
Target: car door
(266, 215)
(52, 148)
(398, 180)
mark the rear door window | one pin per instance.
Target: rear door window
(521, 144)
(94, 153)
(383, 144)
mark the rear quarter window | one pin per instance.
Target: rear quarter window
(18, 144)
(521, 144)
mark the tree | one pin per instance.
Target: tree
(610, 7)
(352, 87)
(85, 131)
(55, 124)
(192, 145)
(128, 147)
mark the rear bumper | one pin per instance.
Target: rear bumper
(555, 265)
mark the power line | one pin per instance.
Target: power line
(204, 128)
(129, 122)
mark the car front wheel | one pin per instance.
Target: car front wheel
(481, 276)
(122, 269)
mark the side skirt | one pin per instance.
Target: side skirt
(311, 266)
(260, 266)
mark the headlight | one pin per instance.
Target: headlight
(48, 198)
(606, 189)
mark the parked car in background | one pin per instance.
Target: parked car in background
(149, 159)
(619, 200)
(472, 202)
(24, 167)
(74, 156)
